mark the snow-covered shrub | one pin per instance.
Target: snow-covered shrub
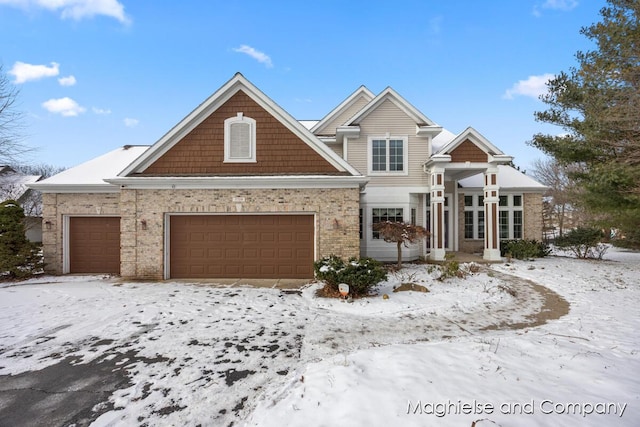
(360, 274)
(448, 269)
(524, 249)
(18, 256)
(583, 242)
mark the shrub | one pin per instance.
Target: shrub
(19, 257)
(584, 242)
(524, 249)
(360, 274)
(448, 269)
(628, 240)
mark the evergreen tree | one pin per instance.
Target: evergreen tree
(18, 257)
(597, 103)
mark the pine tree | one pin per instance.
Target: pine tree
(18, 257)
(597, 103)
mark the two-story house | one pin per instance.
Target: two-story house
(241, 189)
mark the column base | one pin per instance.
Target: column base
(437, 254)
(492, 255)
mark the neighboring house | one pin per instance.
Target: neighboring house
(239, 188)
(14, 186)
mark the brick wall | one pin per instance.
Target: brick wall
(56, 206)
(143, 250)
(533, 216)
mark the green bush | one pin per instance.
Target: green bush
(524, 249)
(19, 257)
(360, 274)
(584, 242)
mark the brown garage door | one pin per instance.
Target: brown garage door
(94, 245)
(241, 246)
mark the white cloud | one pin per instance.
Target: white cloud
(67, 81)
(76, 9)
(100, 111)
(534, 86)
(255, 54)
(24, 72)
(563, 5)
(131, 123)
(64, 106)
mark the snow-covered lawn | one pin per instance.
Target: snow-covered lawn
(465, 351)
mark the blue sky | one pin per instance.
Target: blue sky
(94, 75)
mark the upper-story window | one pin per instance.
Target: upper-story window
(388, 155)
(239, 139)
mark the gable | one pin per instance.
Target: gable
(468, 152)
(278, 149)
(341, 117)
(388, 117)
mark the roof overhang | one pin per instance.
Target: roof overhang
(74, 188)
(239, 182)
(428, 130)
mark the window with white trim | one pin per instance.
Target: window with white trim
(510, 216)
(385, 214)
(239, 139)
(388, 155)
(473, 216)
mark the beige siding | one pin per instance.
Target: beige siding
(389, 118)
(342, 117)
(337, 148)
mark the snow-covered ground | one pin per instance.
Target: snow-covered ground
(464, 352)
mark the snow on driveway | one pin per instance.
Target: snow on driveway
(207, 355)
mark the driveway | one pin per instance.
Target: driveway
(77, 350)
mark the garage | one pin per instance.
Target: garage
(94, 245)
(241, 246)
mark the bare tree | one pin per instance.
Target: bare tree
(11, 123)
(561, 201)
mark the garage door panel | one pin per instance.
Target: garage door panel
(94, 245)
(248, 246)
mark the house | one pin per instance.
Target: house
(239, 188)
(14, 186)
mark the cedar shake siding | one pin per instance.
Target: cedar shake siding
(468, 152)
(278, 150)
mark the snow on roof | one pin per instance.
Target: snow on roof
(508, 177)
(96, 170)
(308, 123)
(442, 139)
(13, 185)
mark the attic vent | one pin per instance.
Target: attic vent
(240, 139)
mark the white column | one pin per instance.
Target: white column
(437, 215)
(491, 215)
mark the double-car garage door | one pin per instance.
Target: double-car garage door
(241, 246)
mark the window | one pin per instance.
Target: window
(511, 217)
(468, 224)
(413, 216)
(388, 155)
(481, 224)
(517, 224)
(386, 214)
(473, 216)
(239, 139)
(504, 224)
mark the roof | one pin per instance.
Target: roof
(90, 175)
(508, 178)
(13, 185)
(215, 101)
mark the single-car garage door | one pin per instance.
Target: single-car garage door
(241, 246)
(94, 245)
